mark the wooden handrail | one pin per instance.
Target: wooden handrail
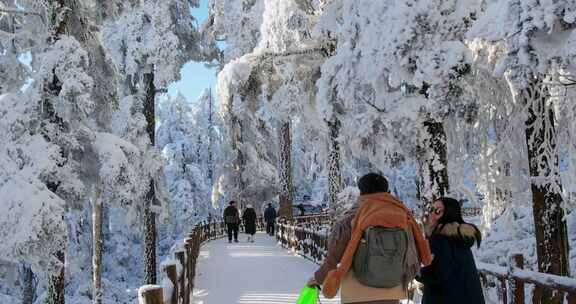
(511, 280)
(186, 254)
(520, 277)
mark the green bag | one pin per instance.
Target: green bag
(308, 295)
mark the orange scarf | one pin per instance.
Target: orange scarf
(378, 209)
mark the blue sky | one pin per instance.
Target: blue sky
(195, 76)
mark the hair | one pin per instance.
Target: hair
(372, 183)
(232, 202)
(453, 214)
(452, 211)
(269, 204)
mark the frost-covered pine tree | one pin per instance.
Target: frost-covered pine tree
(536, 74)
(237, 23)
(392, 94)
(149, 43)
(185, 142)
(68, 111)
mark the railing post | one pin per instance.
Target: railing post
(181, 257)
(572, 298)
(484, 280)
(172, 274)
(502, 291)
(516, 285)
(150, 294)
(187, 270)
(537, 294)
(191, 263)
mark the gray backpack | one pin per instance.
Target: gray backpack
(380, 259)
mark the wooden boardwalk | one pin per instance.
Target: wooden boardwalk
(250, 273)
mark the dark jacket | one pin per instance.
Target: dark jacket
(301, 209)
(249, 218)
(270, 214)
(231, 215)
(452, 278)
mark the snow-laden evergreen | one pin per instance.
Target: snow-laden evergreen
(188, 138)
(73, 135)
(397, 76)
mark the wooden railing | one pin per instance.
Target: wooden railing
(306, 235)
(314, 219)
(471, 211)
(511, 282)
(179, 272)
(310, 240)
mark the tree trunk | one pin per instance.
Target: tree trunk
(56, 294)
(28, 285)
(210, 141)
(334, 173)
(199, 149)
(149, 217)
(434, 162)
(97, 246)
(150, 240)
(236, 132)
(285, 171)
(550, 225)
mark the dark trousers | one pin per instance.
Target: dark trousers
(232, 229)
(270, 227)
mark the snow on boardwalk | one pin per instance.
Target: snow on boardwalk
(250, 273)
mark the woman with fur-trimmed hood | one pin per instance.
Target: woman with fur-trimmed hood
(452, 278)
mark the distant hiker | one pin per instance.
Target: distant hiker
(232, 220)
(301, 209)
(270, 218)
(249, 218)
(452, 277)
(375, 250)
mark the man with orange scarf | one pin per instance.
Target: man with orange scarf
(375, 208)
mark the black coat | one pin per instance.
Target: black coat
(270, 214)
(452, 278)
(231, 215)
(249, 218)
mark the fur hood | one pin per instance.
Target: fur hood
(465, 234)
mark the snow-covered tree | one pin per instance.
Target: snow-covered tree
(237, 23)
(186, 145)
(149, 44)
(69, 105)
(531, 30)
